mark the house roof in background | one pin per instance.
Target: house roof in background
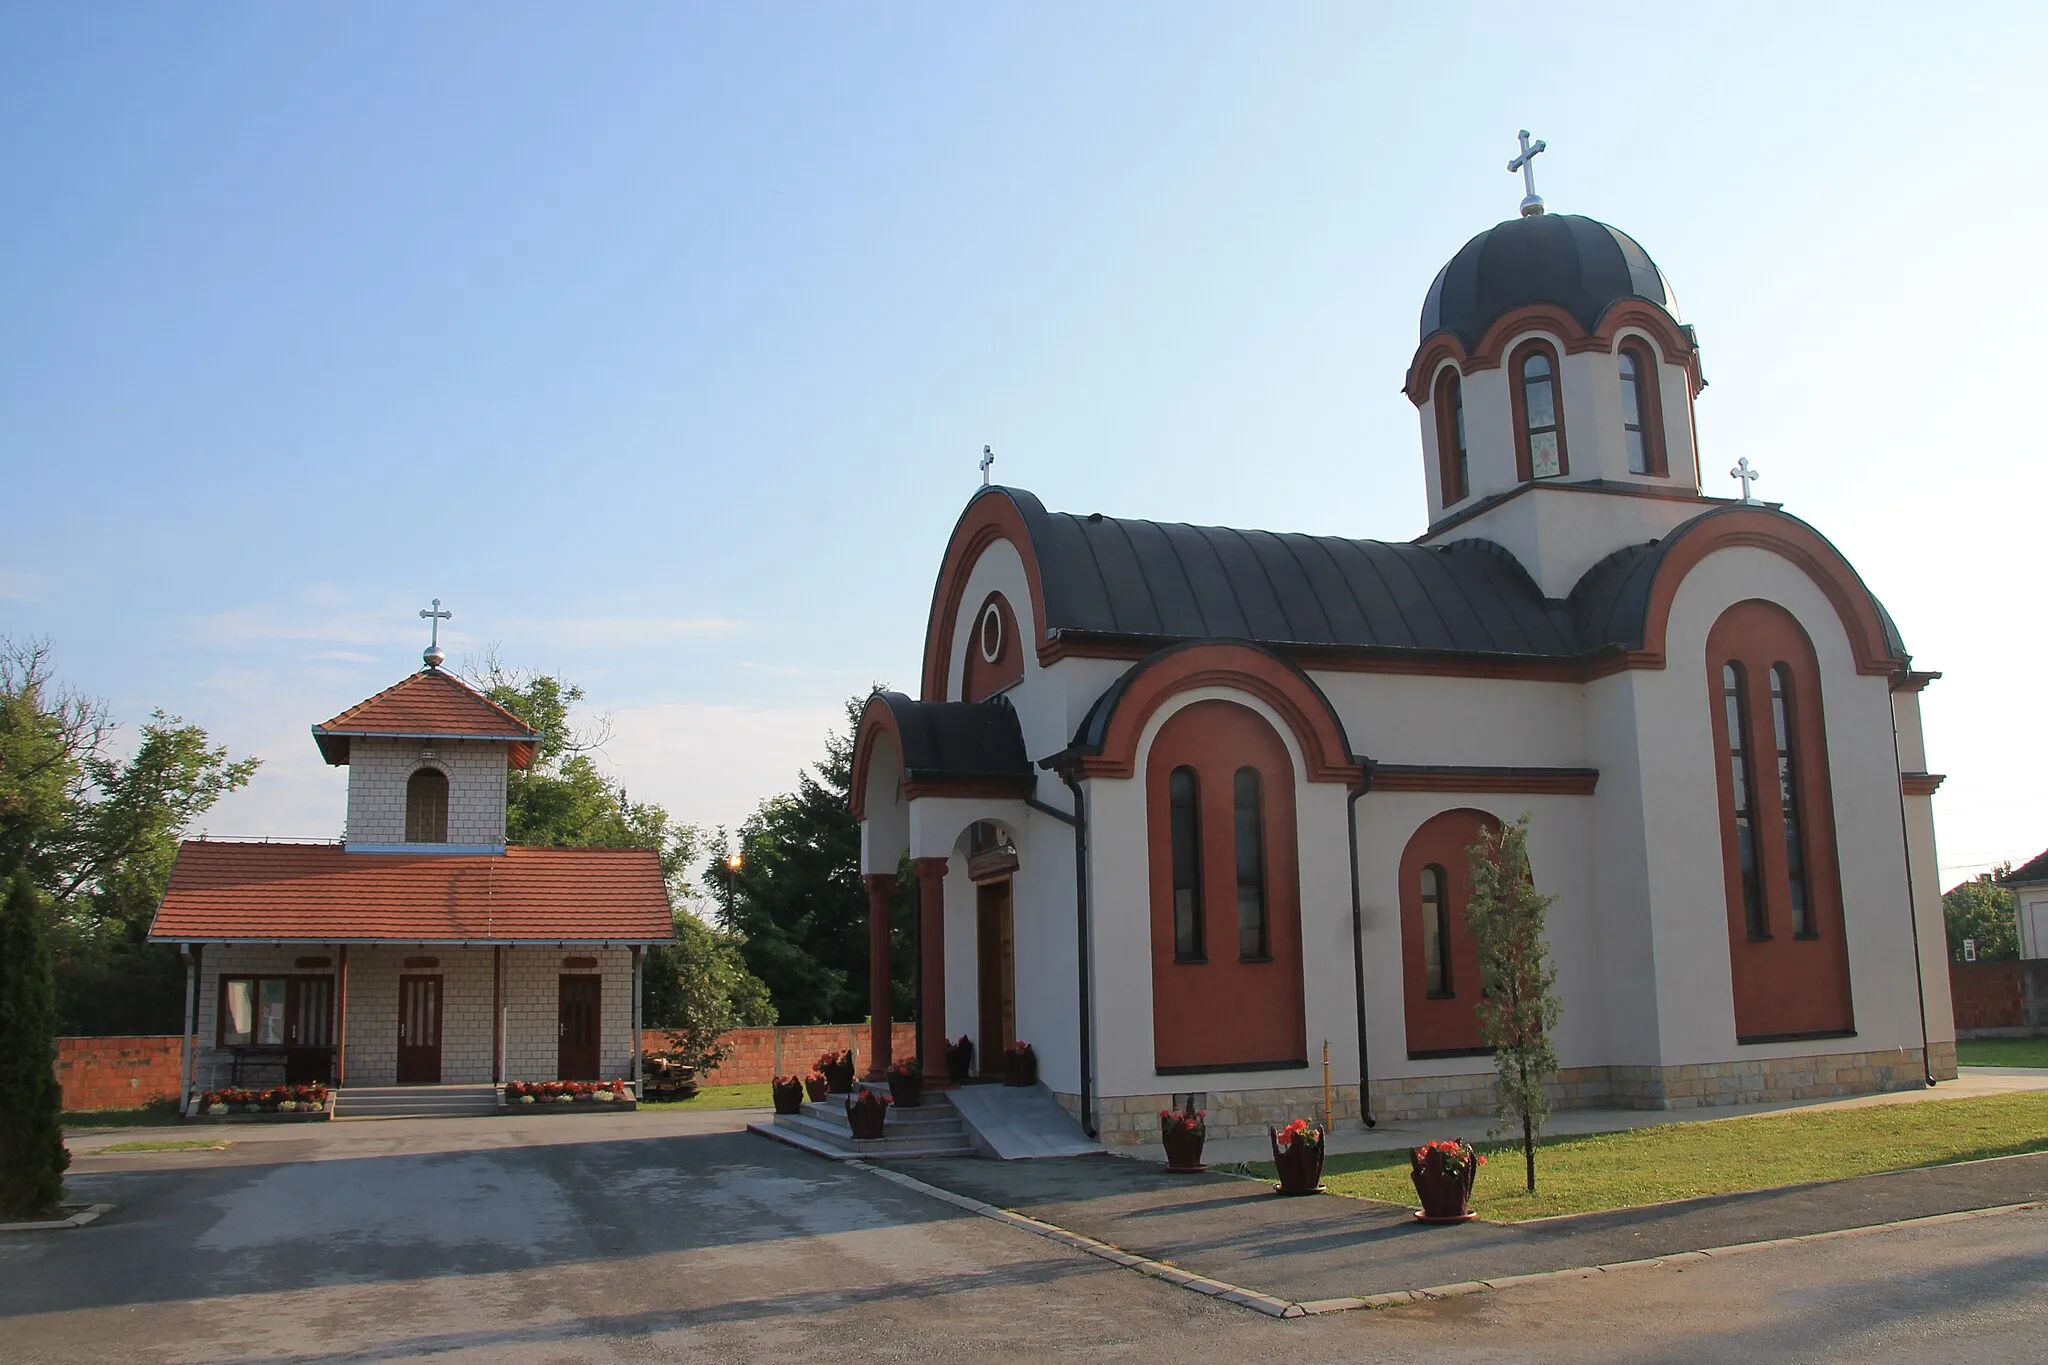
(224, 891)
(429, 704)
(2033, 871)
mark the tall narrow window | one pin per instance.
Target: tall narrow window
(1782, 722)
(1454, 466)
(426, 807)
(1185, 815)
(1741, 780)
(1251, 867)
(1436, 934)
(1539, 415)
(1642, 430)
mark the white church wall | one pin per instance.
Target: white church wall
(1558, 532)
(1693, 973)
(380, 768)
(1402, 718)
(1046, 946)
(1622, 824)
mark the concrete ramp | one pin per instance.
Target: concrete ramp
(1011, 1123)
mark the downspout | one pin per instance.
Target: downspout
(190, 954)
(1912, 907)
(1082, 936)
(1358, 958)
(636, 1020)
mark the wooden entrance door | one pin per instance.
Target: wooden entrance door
(309, 1029)
(579, 1029)
(419, 1030)
(995, 948)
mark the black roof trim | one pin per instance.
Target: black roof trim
(959, 739)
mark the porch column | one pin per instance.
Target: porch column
(190, 953)
(341, 1021)
(881, 1012)
(931, 970)
(637, 1021)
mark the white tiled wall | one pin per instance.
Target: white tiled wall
(378, 770)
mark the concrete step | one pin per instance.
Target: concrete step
(798, 1130)
(414, 1101)
(930, 1114)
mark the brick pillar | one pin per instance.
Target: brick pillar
(881, 1012)
(931, 968)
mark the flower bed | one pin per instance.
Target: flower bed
(565, 1097)
(272, 1104)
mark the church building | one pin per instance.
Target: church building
(1186, 804)
(421, 950)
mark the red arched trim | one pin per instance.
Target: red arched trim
(1441, 1025)
(876, 720)
(1525, 468)
(985, 676)
(1243, 668)
(1789, 539)
(991, 517)
(1649, 404)
(1673, 341)
(1451, 481)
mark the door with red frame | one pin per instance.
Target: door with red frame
(578, 1028)
(419, 1030)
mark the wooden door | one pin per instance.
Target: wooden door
(579, 1029)
(419, 1030)
(309, 1029)
(996, 950)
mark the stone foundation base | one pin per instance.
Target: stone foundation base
(1129, 1120)
(1941, 1060)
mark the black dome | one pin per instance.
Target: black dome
(1581, 265)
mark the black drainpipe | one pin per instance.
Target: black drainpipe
(1358, 960)
(1912, 909)
(1087, 992)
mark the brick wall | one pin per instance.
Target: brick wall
(117, 1073)
(1986, 995)
(379, 768)
(760, 1054)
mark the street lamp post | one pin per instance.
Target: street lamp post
(732, 870)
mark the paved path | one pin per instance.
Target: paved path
(672, 1236)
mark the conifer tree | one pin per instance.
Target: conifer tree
(1518, 1005)
(32, 1154)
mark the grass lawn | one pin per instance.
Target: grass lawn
(145, 1117)
(2002, 1052)
(723, 1097)
(1686, 1160)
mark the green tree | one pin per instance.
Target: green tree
(1983, 910)
(697, 987)
(98, 835)
(797, 899)
(32, 1153)
(1518, 1005)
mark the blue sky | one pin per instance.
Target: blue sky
(661, 343)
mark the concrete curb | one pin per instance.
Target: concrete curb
(1281, 1308)
(89, 1213)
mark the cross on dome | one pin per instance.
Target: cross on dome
(432, 653)
(1748, 476)
(988, 458)
(1532, 203)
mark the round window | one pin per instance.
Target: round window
(991, 633)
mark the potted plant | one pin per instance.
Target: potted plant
(816, 1087)
(1181, 1133)
(1443, 1172)
(1298, 1157)
(866, 1113)
(960, 1059)
(906, 1083)
(789, 1094)
(1020, 1065)
(838, 1069)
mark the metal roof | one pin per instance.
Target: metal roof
(1582, 265)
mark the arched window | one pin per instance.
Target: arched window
(1787, 945)
(1782, 721)
(426, 807)
(1641, 420)
(1741, 795)
(1436, 934)
(1185, 815)
(1251, 867)
(1539, 413)
(1454, 467)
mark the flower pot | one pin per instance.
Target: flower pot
(1020, 1068)
(1445, 1198)
(1299, 1164)
(1183, 1148)
(866, 1118)
(816, 1087)
(906, 1091)
(960, 1060)
(789, 1098)
(839, 1076)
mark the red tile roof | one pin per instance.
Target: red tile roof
(322, 893)
(429, 704)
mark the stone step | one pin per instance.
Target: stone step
(928, 1114)
(926, 1134)
(798, 1130)
(414, 1101)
